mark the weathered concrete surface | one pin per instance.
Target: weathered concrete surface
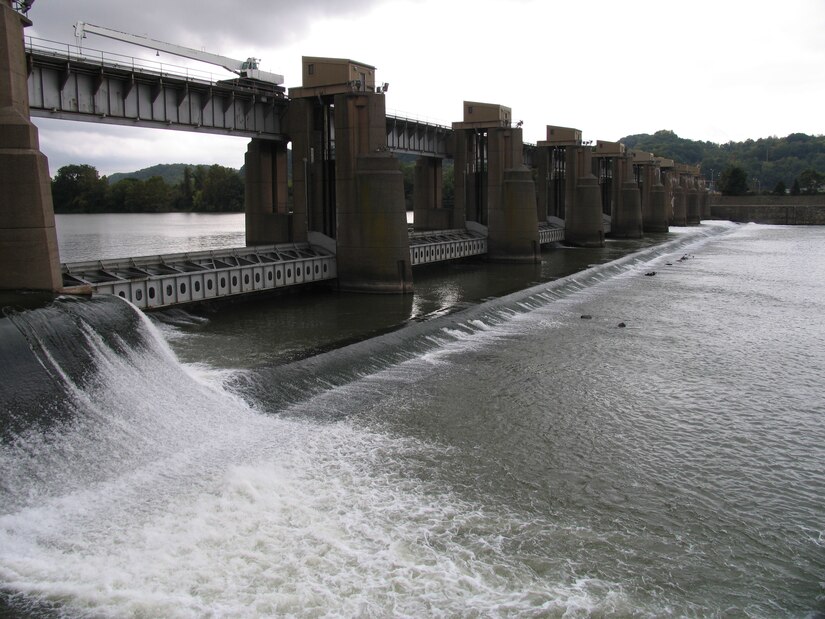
(704, 200)
(478, 186)
(373, 242)
(512, 233)
(28, 241)
(583, 226)
(782, 210)
(692, 208)
(680, 204)
(627, 212)
(265, 193)
(427, 196)
(309, 169)
(627, 218)
(656, 199)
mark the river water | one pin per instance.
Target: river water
(478, 449)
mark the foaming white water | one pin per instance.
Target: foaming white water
(166, 496)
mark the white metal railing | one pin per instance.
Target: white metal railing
(441, 245)
(174, 279)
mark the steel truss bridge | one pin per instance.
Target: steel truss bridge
(69, 82)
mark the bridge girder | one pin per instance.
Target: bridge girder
(67, 88)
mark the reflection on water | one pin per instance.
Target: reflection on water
(100, 237)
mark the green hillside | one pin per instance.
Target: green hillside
(766, 161)
(171, 173)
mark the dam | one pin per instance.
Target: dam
(346, 197)
(617, 425)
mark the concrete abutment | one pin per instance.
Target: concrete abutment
(28, 239)
(268, 219)
(624, 196)
(583, 224)
(656, 203)
(373, 242)
(512, 230)
(428, 206)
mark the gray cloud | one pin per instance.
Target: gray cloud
(201, 24)
(211, 24)
(437, 53)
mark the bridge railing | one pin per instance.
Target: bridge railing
(69, 52)
(422, 120)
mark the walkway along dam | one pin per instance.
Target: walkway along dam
(345, 221)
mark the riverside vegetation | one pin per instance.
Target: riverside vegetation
(794, 164)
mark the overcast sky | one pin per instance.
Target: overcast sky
(707, 69)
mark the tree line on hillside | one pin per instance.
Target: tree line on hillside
(733, 181)
(208, 189)
(182, 188)
(794, 164)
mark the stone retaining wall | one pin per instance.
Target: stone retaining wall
(785, 210)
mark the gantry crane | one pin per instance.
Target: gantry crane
(247, 69)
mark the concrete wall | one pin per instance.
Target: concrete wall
(265, 193)
(28, 239)
(783, 210)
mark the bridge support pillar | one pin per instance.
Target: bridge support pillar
(647, 171)
(28, 240)
(557, 175)
(704, 200)
(657, 216)
(680, 203)
(267, 218)
(427, 196)
(692, 214)
(352, 189)
(313, 171)
(627, 216)
(512, 233)
(670, 180)
(621, 189)
(659, 207)
(372, 238)
(373, 243)
(485, 146)
(505, 151)
(542, 160)
(583, 225)
(469, 182)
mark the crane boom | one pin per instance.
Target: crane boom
(245, 68)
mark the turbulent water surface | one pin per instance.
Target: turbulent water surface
(471, 451)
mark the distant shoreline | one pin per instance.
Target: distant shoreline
(776, 210)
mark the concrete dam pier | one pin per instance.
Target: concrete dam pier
(346, 212)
